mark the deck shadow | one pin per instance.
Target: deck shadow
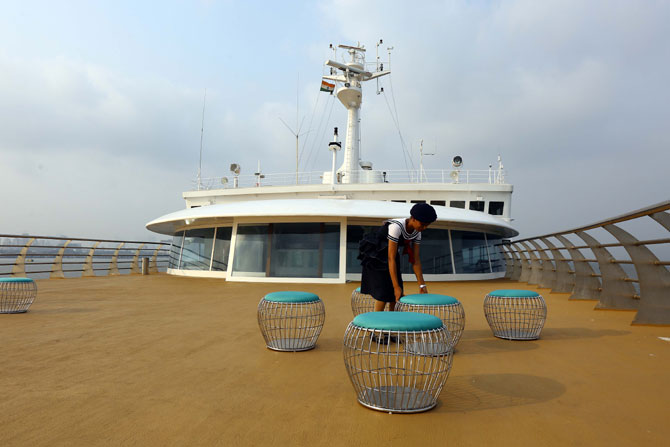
(491, 391)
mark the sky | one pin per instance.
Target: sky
(101, 102)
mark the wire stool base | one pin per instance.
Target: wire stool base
(428, 349)
(517, 335)
(290, 344)
(377, 398)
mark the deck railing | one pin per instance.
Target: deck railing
(43, 257)
(636, 279)
(469, 176)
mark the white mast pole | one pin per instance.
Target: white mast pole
(202, 130)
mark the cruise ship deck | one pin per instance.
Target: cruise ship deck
(165, 360)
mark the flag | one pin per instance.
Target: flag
(326, 87)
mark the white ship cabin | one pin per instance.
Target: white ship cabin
(316, 240)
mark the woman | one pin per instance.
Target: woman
(380, 256)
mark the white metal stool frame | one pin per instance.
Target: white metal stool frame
(387, 377)
(452, 315)
(361, 302)
(287, 326)
(516, 318)
(17, 296)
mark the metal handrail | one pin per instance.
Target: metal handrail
(383, 176)
(644, 287)
(120, 257)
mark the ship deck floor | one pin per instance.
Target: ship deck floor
(163, 360)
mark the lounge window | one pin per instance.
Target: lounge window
(477, 205)
(438, 202)
(197, 250)
(399, 201)
(221, 249)
(496, 208)
(294, 250)
(418, 201)
(457, 204)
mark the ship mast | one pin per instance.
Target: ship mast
(350, 94)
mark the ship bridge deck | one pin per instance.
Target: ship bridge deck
(163, 360)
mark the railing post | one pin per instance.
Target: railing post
(509, 263)
(535, 266)
(88, 265)
(134, 267)
(153, 268)
(616, 292)
(587, 285)
(525, 264)
(516, 272)
(564, 280)
(654, 279)
(113, 266)
(19, 268)
(57, 268)
(548, 270)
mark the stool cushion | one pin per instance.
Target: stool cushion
(16, 280)
(291, 297)
(398, 321)
(513, 293)
(428, 299)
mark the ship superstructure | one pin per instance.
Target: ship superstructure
(227, 223)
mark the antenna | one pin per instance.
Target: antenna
(298, 126)
(202, 130)
(235, 169)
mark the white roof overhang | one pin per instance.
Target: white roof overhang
(295, 208)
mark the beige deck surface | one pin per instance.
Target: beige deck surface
(159, 360)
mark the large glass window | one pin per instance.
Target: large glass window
(307, 250)
(470, 252)
(251, 248)
(175, 250)
(294, 250)
(221, 249)
(435, 252)
(457, 204)
(197, 250)
(495, 251)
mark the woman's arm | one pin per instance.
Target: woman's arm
(417, 269)
(393, 269)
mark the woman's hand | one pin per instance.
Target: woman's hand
(423, 289)
(397, 290)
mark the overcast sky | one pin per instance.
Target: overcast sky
(101, 101)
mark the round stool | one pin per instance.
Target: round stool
(388, 377)
(361, 302)
(447, 308)
(16, 295)
(291, 321)
(515, 314)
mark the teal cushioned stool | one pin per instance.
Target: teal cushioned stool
(392, 362)
(361, 302)
(447, 308)
(16, 295)
(290, 320)
(515, 314)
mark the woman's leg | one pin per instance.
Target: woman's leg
(379, 305)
